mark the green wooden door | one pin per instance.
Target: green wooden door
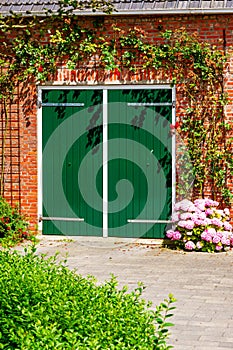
(139, 162)
(72, 160)
(136, 180)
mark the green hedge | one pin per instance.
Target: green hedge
(44, 305)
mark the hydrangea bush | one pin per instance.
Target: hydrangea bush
(200, 226)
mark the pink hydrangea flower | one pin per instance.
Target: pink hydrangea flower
(190, 245)
(203, 235)
(225, 241)
(221, 233)
(216, 239)
(225, 233)
(199, 222)
(206, 236)
(199, 201)
(226, 211)
(202, 216)
(201, 207)
(208, 221)
(189, 224)
(195, 216)
(227, 226)
(211, 231)
(210, 203)
(209, 211)
(176, 236)
(181, 223)
(191, 209)
(200, 204)
(216, 222)
(169, 233)
(218, 247)
(185, 216)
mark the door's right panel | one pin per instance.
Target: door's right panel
(139, 161)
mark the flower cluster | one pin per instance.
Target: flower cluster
(13, 225)
(199, 225)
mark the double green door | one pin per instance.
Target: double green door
(107, 161)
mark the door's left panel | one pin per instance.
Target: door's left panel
(72, 162)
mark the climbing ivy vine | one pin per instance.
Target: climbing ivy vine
(31, 49)
(197, 69)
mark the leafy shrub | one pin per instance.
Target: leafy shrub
(44, 305)
(13, 225)
(201, 226)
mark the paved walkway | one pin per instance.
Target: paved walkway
(202, 283)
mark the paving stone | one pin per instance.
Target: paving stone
(227, 345)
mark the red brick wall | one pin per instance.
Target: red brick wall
(209, 28)
(28, 155)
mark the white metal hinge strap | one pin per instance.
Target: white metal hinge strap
(142, 221)
(148, 104)
(55, 218)
(62, 104)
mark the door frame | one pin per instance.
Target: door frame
(105, 138)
